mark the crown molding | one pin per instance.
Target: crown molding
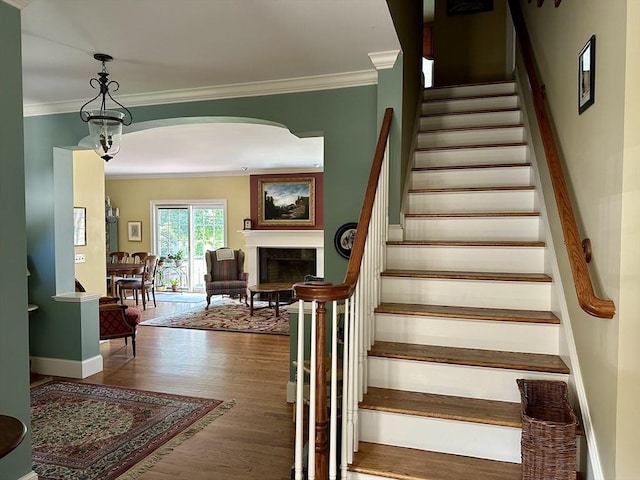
(384, 60)
(252, 89)
(19, 4)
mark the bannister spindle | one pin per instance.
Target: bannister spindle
(299, 475)
(322, 448)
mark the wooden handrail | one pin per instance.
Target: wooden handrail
(589, 302)
(327, 292)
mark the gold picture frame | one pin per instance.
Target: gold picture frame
(287, 201)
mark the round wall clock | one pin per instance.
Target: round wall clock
(343, 240)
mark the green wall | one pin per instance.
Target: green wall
(407, 19)
(345, 117)
(14, 321)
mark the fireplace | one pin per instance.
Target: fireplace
(307, 244)
(285, 264)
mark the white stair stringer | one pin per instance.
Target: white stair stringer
(467, 278)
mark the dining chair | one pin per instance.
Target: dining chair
(144, 284)
(119, 257)
(116, 257)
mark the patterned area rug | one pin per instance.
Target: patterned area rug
(83, 431)
(229, 316)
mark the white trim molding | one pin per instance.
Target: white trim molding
(384, 60)
(19, 4)
(60, 367)
(219, 92)
(76, 297)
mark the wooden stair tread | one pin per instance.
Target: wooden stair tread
(495, 276)
(536, 362)
(473, 189)
(474, 127)
(412, 464)
(471, 313)
(469, 97)
(471, 166)
(471, 112)
(481, 145)
(490, 412)
(473, 215)
(466, 243)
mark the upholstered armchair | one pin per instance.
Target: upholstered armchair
(116, 321)
(119, 321)
(225, 273)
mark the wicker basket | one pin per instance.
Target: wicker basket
(548, 445)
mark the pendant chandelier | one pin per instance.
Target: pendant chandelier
(105, 126)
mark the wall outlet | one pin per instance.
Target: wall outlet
(80, 258)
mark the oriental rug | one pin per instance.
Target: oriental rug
(231, 316)
(83, 431)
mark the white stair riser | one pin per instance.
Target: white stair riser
(476, 228)
(469, 104)
(448, 379)
(467, 293)
(469, 259)
(434, 122)
(485, 335)
(438, 435)
(474, 177)
(470, 90)
(489, 136)
(470, 156)
(484, 201)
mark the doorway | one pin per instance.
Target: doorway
(183, 230)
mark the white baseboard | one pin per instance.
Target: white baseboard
(29, 476)
(67, 368)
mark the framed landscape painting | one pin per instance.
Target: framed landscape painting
(286, 201)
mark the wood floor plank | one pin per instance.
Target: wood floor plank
(536, 362)
(411, 464)
(255, 439)
(491, 412)
(471, 313)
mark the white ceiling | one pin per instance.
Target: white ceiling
(181, 49)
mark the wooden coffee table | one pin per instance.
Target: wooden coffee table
(273, 291)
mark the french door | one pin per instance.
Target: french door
(182, 232)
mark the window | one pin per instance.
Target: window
(185, 230)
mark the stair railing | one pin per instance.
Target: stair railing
(352, 313)
(589, 302)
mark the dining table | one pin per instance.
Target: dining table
(120, 270)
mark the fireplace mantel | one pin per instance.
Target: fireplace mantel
(255, 239)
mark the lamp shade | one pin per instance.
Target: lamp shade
(105, 131)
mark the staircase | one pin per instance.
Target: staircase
(465, 301)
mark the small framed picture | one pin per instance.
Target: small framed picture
(344, 237)
(587, 75)
(134, 231)
(247, 224)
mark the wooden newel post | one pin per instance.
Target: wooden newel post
(322, 438)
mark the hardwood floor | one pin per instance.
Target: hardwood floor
(255, 439)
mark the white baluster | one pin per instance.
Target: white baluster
(299, 394)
